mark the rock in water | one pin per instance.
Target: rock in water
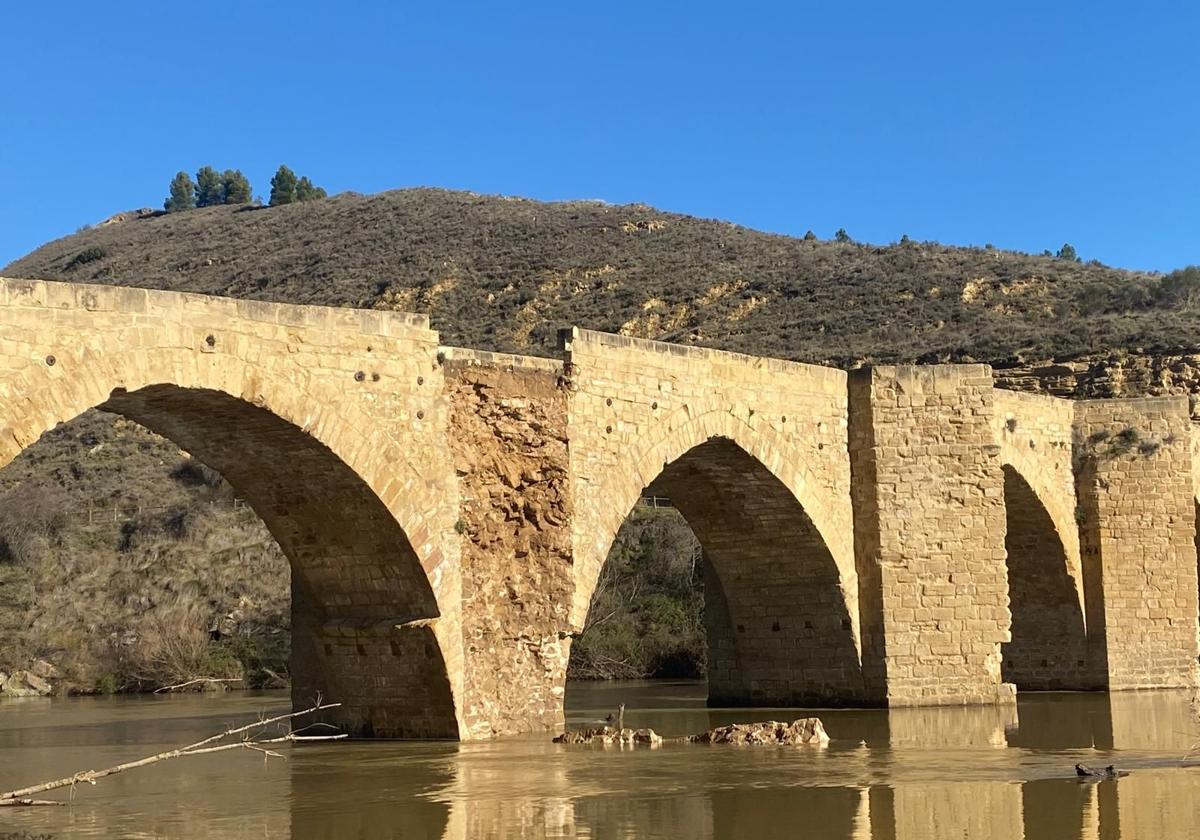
(802, 731)
(610, 735)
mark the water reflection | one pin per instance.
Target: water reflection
(916, 773)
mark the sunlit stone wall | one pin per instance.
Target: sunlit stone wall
(753, 453)
(929, 530)
(1137, 508)
(330, 422)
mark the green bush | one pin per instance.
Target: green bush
(86, 256)
(646, 618)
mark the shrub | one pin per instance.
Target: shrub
(173, 646)
(842, 236)
(306, 190)
(86, 256)
(192, 473)
(1180, 289)
(32, 519)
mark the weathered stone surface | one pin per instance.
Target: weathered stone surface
(753, 453)
(509, 445)
(1138, 532)
(1109, 375)
(332, 424)
(798, 732)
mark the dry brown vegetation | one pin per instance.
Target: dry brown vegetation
(119, 555)
(503, 274)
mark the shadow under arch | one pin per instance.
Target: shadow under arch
(778, 624)
(362, 605)
(1049, 646)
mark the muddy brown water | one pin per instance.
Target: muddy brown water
(913, 773)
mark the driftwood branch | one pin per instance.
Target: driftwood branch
(196, 681)
(208, 745)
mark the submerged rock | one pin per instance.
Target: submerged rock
(610, 735)
(801, 731)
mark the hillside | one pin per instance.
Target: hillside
(118, 554)
(500, 273)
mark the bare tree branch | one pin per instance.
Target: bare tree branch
(196, 681)
(21, 796)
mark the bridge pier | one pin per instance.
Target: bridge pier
(929, 527)
(1138, 527)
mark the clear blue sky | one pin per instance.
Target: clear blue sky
(1021, 124)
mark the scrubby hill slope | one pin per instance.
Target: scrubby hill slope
(503, 274)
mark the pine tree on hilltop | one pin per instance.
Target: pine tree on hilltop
(283, 186)
(183, 194)
(306, 190)
(236, 187)
(210, 189)
(1067, 252)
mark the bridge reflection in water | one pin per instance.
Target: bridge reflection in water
(984, 772)
(990, 773)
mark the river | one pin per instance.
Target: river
(910, 773)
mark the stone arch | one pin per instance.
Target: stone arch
(375, 594)
(1048, 649)
(781, 602)
(681, 431)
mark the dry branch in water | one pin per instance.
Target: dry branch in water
(208, 745)
(196, 681)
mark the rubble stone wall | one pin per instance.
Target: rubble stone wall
(508, 420)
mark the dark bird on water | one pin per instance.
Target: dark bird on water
(1109, 772)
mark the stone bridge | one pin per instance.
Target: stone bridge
(893, 536)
